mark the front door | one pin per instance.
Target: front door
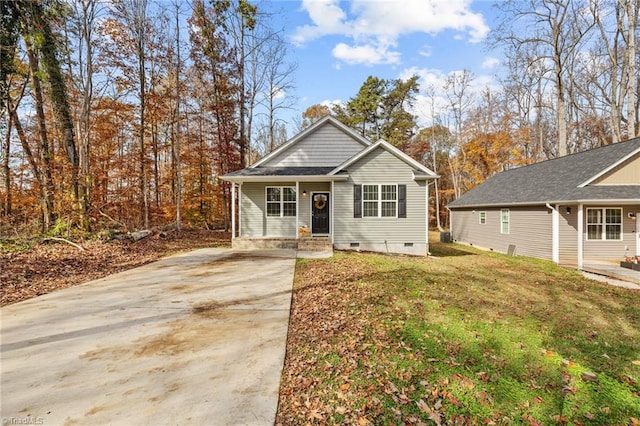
(320, 213)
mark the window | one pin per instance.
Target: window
(482, 218)
(281, 201)
(604, 224)
(379, 200)
(504, 221)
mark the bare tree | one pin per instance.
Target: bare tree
(458, 92)
(84, 23)
(134, 20)
(558, 29)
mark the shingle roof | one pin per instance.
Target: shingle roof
(282, 171)
(555, 180)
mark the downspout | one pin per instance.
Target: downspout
(233, 210)
(555, 233)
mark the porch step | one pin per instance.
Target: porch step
(315, 244)
(264, 243)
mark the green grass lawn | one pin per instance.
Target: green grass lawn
(468, 337)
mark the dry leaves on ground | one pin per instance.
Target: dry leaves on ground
(53, 265)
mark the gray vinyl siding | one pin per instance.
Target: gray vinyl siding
(328, 146)
(529, 230)
(380, 167)
(613, 250)
(568, 233)
(255, 222)
(305, 202)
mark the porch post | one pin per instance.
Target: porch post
(297, 210)
(233, 210)
(331, 216)
(580, 234)
(240, 210)
(555, 234)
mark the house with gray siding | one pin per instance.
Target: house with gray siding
(330, 183)
(574, 210)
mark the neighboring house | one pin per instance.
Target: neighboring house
(574, 210)
(329, 182)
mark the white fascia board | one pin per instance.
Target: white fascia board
(607, 202)
(389, 148)
(608, 169)
(424, 177)
(322, 178)
(365, 142)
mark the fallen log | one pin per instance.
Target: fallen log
(78, 246)
(138, 235)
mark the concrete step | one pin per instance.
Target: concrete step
(315, 244)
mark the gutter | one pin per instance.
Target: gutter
(623, 201)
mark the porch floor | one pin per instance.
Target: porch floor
(613, 270)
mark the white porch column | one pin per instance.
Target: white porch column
(240, 210)
(555, 234)
(331, 216)
(233, 210)
(580, 234)
(297, 210)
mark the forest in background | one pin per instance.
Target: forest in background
(125, 113)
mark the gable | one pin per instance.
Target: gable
(380, 166)
(327, 146)
(627, 173)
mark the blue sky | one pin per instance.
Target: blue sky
(338, 44)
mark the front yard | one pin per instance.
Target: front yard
(469, 337)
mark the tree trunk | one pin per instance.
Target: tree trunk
(632, 101)
(48, 186)
(176, 142)
(7, 170)
(84, 122)
(141, 54)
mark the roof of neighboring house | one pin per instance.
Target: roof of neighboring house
(563, 179)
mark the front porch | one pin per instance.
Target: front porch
(612, 270)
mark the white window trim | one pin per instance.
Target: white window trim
(482, 218)
(380, 201)
(603, 233)
(282, 201)
(502, 222)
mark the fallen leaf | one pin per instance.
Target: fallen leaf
(422, 406)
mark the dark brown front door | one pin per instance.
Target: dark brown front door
(320, 213)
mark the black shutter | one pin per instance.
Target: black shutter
(357, 201)
(402, 200)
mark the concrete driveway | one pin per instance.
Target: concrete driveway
(196, 338)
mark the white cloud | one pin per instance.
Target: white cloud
(376, 25)
(432, 99)
(425, 50)
(331, 103)
(490, 62)
(365, 54)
